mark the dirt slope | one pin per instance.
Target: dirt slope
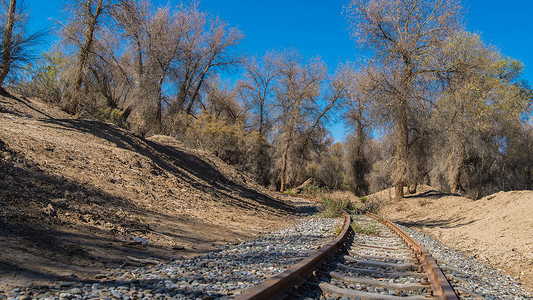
(497, 229)
(72, 190)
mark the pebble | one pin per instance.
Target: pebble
(222, 274)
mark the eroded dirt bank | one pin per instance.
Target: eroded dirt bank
(74, 195)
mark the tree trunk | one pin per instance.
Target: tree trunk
(284, 167)
(6, 47)
(401, 151)
(402, 148)
(84, 52)
(412, 188)
(359, 163)
(261, 151)
(197, 90)
(398, 191)
(159, 110)
(455, 176)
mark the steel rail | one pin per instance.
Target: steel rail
(281, 285)
(440, 287)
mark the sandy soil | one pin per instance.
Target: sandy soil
(497, 229)
(74, 194)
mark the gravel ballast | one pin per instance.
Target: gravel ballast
(226, 273)
(221, 274)
(469, 277)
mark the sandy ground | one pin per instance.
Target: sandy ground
(75, 194)
(497, 229)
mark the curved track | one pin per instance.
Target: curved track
(377, 261)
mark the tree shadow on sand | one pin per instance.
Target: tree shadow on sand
(57, 222)
(174, 161)
(446, 223)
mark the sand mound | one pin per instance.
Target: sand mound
(498, 229)
(72, 190)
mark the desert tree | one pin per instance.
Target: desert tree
(155, 43)
(359, 103)
(304, 97)
(330, 170)
(16, 45)
(517, 164)
(80, 30)
(208, 47)
(125, 47)
(6, 43)
(165, 35)
(399, 32)
(222, 102)
(482, 100)
(297, 92)
(256, 91)
(166, 56)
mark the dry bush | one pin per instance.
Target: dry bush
(370, 204)
(230, 142)
(334, 207)
(48, 81)
(380, 177)
(330, 171)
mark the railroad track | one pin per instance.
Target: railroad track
(375, 260)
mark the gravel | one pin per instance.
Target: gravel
(221, 274)
(226, 273)
(471, 278)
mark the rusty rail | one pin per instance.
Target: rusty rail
(279, 286)
(440, 286)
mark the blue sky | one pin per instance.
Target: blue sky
(318, 27)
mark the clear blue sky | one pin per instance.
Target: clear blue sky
(317, 27)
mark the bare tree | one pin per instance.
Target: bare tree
(257, 91)
(16, 45)
(222, 102)
(359, 101)
(330, 171)
(400, 32)
(6, 45)
(86, 13)
(481, 98)
(165, 38)
(132, 19)
(304, 98)
(208, 46)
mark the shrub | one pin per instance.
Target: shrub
(48, 80)
(289, 192)
(368, 229)
(229, 141)
(312, 190)
(334, 207)
(371, 205)
(367, 204)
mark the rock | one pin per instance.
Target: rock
(75, 291)
(141, 240)
(49, 210)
